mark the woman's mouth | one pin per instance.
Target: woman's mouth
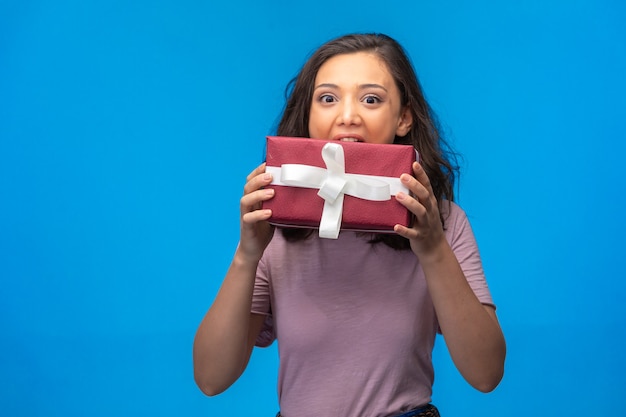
(348, 137)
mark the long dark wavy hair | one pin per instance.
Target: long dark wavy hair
(436, 156)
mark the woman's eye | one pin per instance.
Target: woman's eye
(326, 98)
(371, 100)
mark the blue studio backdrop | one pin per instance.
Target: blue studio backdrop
(127, 130)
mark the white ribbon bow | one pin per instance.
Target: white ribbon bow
(333, 183)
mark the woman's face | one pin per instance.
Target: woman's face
(356, 99)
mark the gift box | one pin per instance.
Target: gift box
(336, 185)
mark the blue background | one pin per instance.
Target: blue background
(126, 133)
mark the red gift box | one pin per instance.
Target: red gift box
(329, 185)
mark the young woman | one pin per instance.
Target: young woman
(356, 317)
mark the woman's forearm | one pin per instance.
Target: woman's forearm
(470, 329)
(221, 346)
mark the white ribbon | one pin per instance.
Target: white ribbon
(333, 183)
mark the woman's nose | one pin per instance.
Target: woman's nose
(349, 113)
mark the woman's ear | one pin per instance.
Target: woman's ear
(405, 122)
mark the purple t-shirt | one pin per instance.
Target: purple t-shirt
(354, 321)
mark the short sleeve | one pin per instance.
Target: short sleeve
(261, 304)
(463, 243)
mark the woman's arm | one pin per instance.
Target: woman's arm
(225, 337)
(471, 329)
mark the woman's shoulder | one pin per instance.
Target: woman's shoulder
(454, 217)
(451, 209)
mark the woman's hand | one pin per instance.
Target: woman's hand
(426, 233)
(256, 232)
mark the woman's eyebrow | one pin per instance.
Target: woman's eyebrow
(364, 86)
(361, 87)
(326, 85)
